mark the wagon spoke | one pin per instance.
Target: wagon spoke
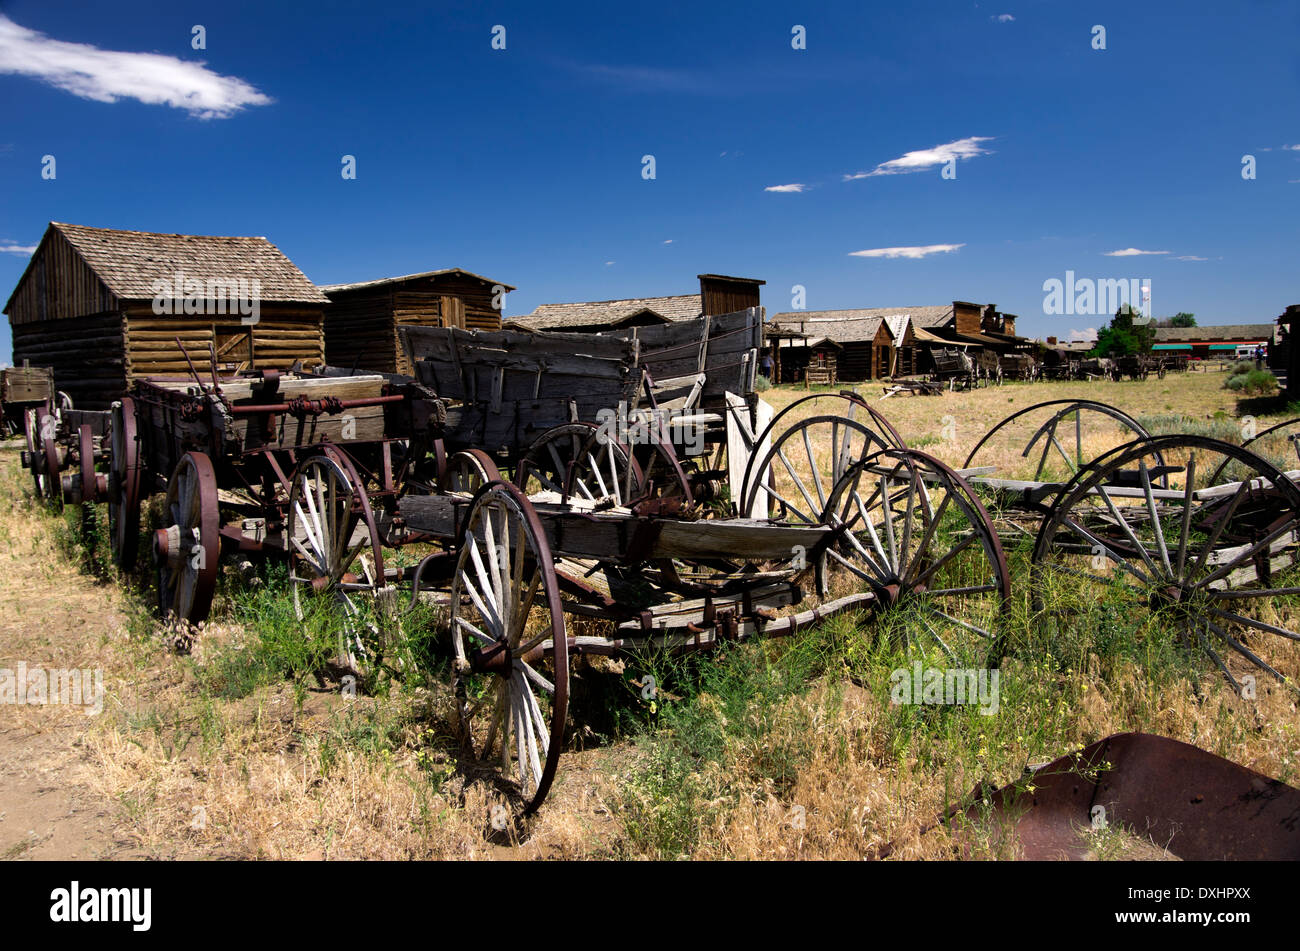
(812, 505)
(1258, 625)
(812, 465)
(1132, 537)
(1156, 527)
(1248, 554)
(1250, 655)
(935, 612)
(1185, 529)
(477, 632)
(1219, 526)
(1110, 552)
(946, 557)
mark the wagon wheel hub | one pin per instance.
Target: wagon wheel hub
(173, 545)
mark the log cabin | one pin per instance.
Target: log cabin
(362, 319)
(103, 307)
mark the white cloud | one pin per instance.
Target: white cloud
(10, 248)
(1292, 148)
(669, 241)
(1002, 18)
(785, 188)
(608, 263)
(922, 159)
(1189, 257)
(1087, 333)
(912, 252)
(109, 75)
(1129, 253)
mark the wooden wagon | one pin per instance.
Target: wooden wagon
(300, 465)
(626, 534)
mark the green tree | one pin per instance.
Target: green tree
(1122, 336)
(1182, 319)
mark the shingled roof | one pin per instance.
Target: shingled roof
(845, 326)
(404, 278)
(853, 322)
(1251, 332)
(128, 262)
(609, 313)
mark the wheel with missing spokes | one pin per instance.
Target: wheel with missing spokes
(511, 654)
(187, 549)
(911, 529)
(1211, 564)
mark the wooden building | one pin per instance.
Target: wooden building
(362, 319)
(1212, 342)
(872, 344)
(1284, 357)
(103, 307)
(718, 295)
(886, 342)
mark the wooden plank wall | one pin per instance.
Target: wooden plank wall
(58, 285)
(361, 325)
(359, 330)
(281, 337)
(727, 297)
(967, 317)
(86, 354)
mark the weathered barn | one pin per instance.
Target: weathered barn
(718, 295)
(362, 319)
(102, 307)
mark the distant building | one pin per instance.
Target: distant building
(884, 342)
(1220, 340)
(718, 295)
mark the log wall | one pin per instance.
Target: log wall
(85, 353)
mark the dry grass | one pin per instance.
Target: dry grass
(770, 750)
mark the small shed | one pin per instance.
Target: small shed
(102, 307)
(362, 319)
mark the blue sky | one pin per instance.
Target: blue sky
(525, 164)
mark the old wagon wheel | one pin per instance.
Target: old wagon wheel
(609, 472)
(187, 549)
(1279, 444)
(912, 529)
(43, 433)
(467, 471)
(1212, 565)
(800, 469)
(329, 528)
(1066, 436)
(123, 484)
(547, 464)
(511, 652)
